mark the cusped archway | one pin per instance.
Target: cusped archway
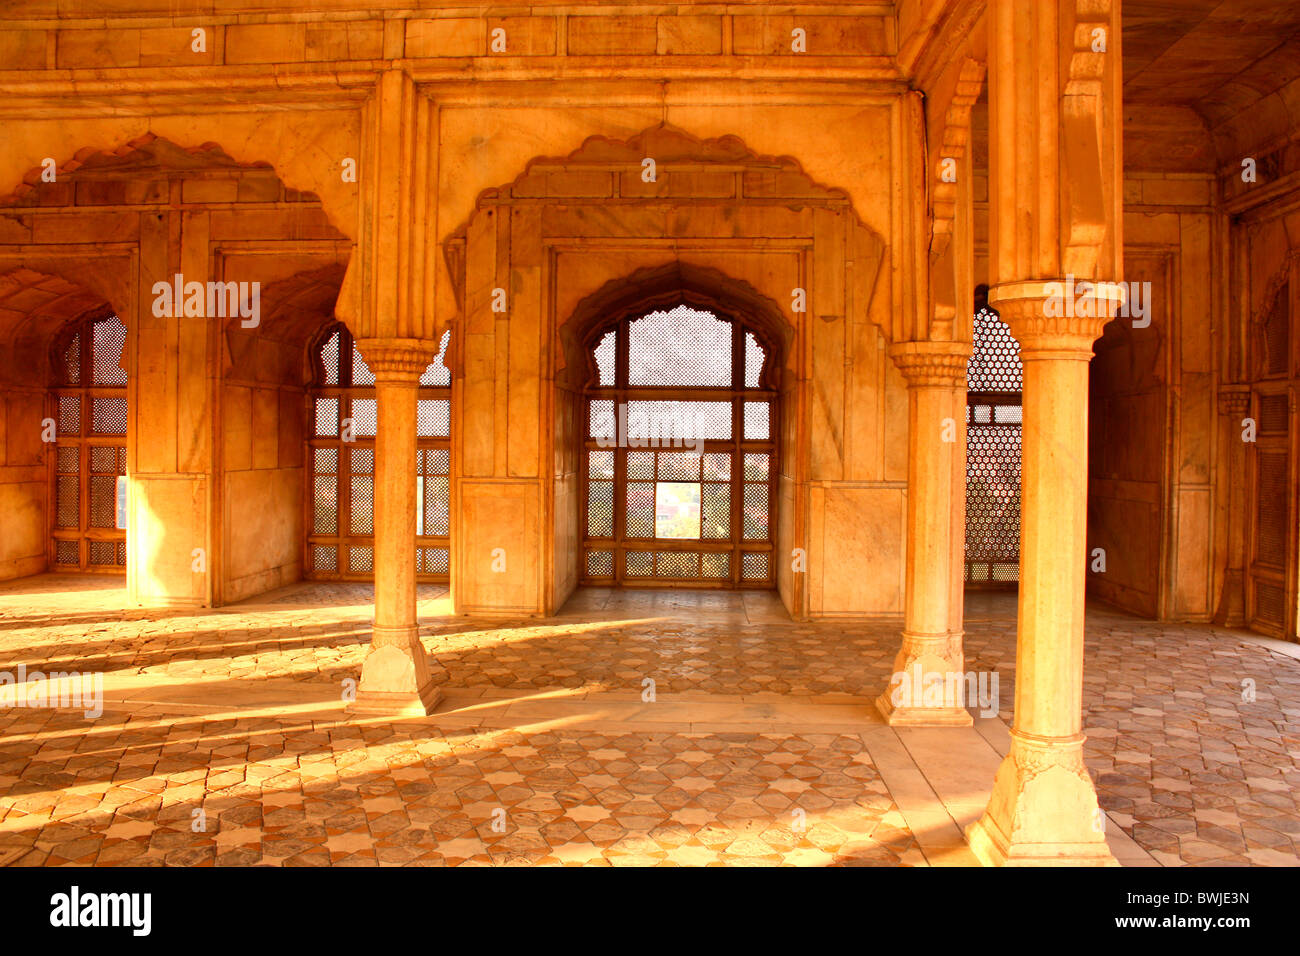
(553, 261)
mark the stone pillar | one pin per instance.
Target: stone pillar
(1044, 808)
(388, 300)
(1234, 405)
(1056, 247)
(921, 692)
(397, 677)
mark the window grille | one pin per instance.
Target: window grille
(994, 379)
(343, 424)
(88, 457)
(680, 461)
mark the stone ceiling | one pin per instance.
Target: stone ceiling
(1215, 56)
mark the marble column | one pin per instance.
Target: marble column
(1044, 809)
(1056, 251)
(926, 688)
(398, 677)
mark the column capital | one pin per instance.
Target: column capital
(1057, 315)
(397, 361)
(1234, 400)
(935, 364)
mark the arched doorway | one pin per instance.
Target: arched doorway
(88, 468)
(343, 421)
(679, 463)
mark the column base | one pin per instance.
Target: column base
(420, 703)
(922, 716)
(397, 678)
(992, 848)
(927, 688)
(1043, 811)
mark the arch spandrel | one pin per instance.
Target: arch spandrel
(304, 149)
(760, 198)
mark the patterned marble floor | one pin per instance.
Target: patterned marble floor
(129, 791)
(1192, 767)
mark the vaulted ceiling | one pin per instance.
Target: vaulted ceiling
(1215, 56)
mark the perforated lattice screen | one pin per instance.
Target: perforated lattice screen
(433, 418)
(68, 492)
(345, 423)
(329, 359)
(994, 377)
(680, 447)
(758, 421)
(640, 509)
(365, 417)
(103, 554)
(1273, 414)
(70, 414)
(600, 509)
(669, 422)
(108, 416)
(103, 501)
(1271, 509)
(434, 561)
(90, 407)
(994, 365)
(361, 374)
(110, 339)
(756, 511)
(715, 511)
(682, 346)
(1270, 603)
(715, 564)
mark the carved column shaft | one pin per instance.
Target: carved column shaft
(397, 677)
(1055, 217)
(1044, 810)
(920, 693)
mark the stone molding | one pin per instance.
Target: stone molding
(1034, 754)
(1044, 319)
(397, 361)
(932, 364)
(1234, 402)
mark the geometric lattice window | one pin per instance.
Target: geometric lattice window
(342, 415)
(994, 378)
(994, 364)
(88, 480)
(679, 465)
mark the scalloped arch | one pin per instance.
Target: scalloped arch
(663, 287)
